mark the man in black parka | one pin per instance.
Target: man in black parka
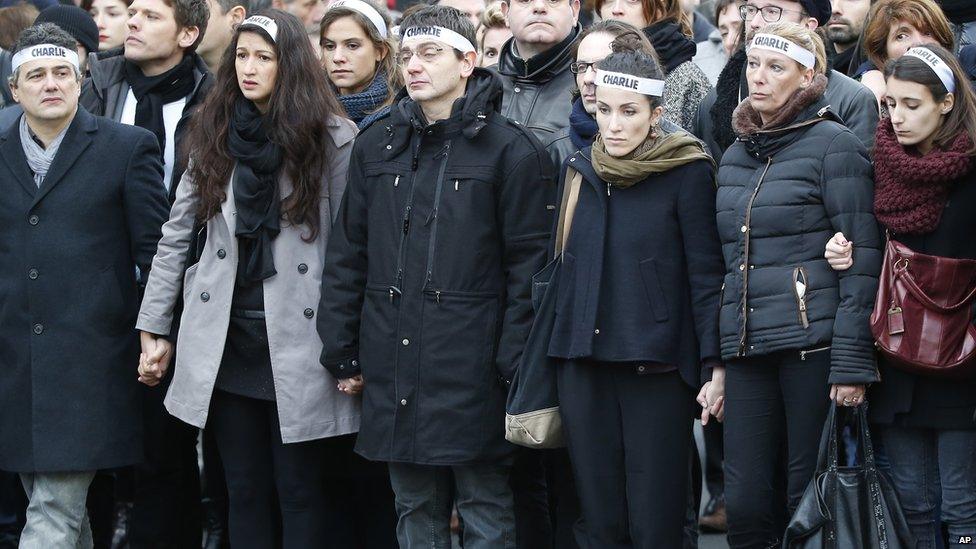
(426, 289)
(82, 204)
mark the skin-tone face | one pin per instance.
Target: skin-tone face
(902, 36)
(48, 90)
(538, 25)
(155, 42)
(110, 17)
(434, 76)
(915, 115)
(471, 8)
(792, 13)
(847, 22)
(627, 11)
(257, 68)
(493, 41)
(730, 25)
(220, 32)
(773, 79)
(349, 56)
(595, 47)
(625, 119)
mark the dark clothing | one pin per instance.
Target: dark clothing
(671, 45)
(773, 403)
(266, 478)
(6, 68)
(967, 58)
(69, 250)
(629, 436)
(959, 11)
(641, 271)
(426, 291)
(245, 368)
(701, 27)
(845, 62)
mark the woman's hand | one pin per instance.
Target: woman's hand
(839, 253)
(154, 360)
(847, 395)
(351, 386)
(712, 396)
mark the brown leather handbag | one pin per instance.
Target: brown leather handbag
(923, 319)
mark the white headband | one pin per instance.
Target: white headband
(779, 44)
(265, 23)
(44, 51)
(620, 81)
(438, 34)
(936, 64)
(368, 11)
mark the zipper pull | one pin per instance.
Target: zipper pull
(394, 292)
(437, 296)
(455, 185)
(396, 181)
(803, 355)
(608, 189)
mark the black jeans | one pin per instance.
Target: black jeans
(261, 471)
(772, 403)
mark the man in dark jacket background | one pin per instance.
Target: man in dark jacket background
(426, 288)
(71, 244)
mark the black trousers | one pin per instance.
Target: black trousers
(629, 438)
(772, 402)
(714, 456)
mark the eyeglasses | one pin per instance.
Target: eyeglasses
(581, 67)
(526, 3)
(770, 14)
(426, 53)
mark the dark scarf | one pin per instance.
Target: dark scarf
(152, 92)
(727, 99)
(911, 191)
(360, 105)
(255, 191)
(672, 46)
(582, 126)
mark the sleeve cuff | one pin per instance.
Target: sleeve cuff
(344, 368)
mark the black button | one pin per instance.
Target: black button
(38, 329)
(302, 268)
(204, 297)
(221, 253)
(309, 313)
(32, 274)
(33, 220)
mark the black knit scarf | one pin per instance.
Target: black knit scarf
(255, 191)
(672, 46)
(152, 92)
(727, 99)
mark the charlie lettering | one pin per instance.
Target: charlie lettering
(48, 52)
(770, 42)
(423, 31)
(612, 80)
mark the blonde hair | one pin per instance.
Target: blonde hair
(803, 37)
(491, 18)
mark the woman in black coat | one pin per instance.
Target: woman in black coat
(925, 194)
(636, 310)
(792, 330)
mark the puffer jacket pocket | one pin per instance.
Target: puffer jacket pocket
(652, 288)
(801, 285)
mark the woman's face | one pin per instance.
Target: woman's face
(625, 118)
(257, 68)
(773, 79)
(593, 48)
(915, 115)
(493, 41)
(902, 36)
(110, 17)
(349, 56)
(628, 11)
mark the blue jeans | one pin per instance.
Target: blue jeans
(929, 465)
(425, 495)
(57, 516)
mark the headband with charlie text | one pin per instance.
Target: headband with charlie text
(936, 64)
(366, 10)
(628, 82)
(790, 49)
(266, 24)
(44, 51)
(424, 33)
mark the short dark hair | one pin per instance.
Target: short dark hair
(440, 16)
(227, 5)
(627, 58)
(43, 33)
(191, 13)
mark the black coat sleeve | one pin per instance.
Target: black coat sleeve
(145, 202)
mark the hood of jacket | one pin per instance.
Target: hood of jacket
(540, 68)
(105, 69)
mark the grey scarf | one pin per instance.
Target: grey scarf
(38, 158)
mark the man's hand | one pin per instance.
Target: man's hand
(351, 386)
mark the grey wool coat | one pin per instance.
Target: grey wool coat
(309, 405)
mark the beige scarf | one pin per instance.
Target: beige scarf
(656, 154)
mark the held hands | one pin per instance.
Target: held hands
(351, 386)
(712, 396)
(847, 395)
(839, 253)
(154, 360)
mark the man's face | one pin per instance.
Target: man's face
(154, 38)
(595, 47)
(730, 26)
(47, 89)
(471, 8)
(220, 30)
(790, 12)
(847, 20)
(432, 71)
(541, 24)
(626, 11)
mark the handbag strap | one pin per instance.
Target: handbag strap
(567, 208)
(926, 300)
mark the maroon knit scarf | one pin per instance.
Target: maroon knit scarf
(911, 191)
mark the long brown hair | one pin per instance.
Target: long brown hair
(301, 105)
(925, 15)
(657, 10)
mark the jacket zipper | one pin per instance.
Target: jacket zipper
(800, 277)
(803, 354)
(444, 154)
(395, 289)
(744, 267)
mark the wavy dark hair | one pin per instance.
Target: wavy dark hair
(301, 105)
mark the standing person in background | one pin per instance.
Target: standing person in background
(492, 35)
(729, 24)
(844, 30)
(111, 17)
(78, 24)
(701, 28)
(225, 16)
(713, 53)
(305, 10)
(359, 58)
(13, 20)
(472, 9)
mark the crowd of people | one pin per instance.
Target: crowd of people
(269, 267)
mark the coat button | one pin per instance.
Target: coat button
(596, 332)
(403, 402)
(204, 297)
(388, 147)
(641, 368)
(302, 268)
(32, 274)
(405, 341)
(33, 220)
(38, 329)
(309, 313)
(744, 228)
(742, 267)
(355, 363)
(517, 89)
(221, 253)
(573, 159)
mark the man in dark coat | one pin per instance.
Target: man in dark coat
(71, 246)
(426, 288)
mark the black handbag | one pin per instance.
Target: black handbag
(848, 507)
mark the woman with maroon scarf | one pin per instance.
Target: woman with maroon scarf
(925, 196)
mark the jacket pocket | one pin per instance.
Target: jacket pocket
(653, 291)
(800, 285)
